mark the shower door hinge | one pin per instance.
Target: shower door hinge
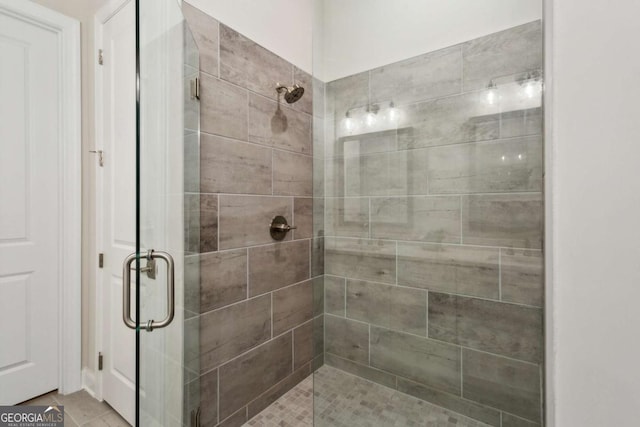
(100, 361)
(100, 57)
(195, 417)
(195, 88)
(100, 260)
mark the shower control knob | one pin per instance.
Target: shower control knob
(279, 227)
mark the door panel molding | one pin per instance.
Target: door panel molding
(69, 156)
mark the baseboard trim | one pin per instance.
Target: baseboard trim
(89, 382)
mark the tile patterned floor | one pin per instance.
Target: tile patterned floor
(80, 409)
(344, 400)
(341, 400)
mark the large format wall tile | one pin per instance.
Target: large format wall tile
(347, 338)
(451, 402)
(274, 266)
(247, 64)
(460, 118)
(522, 276)
(318, 295)
(229, 166)
(513, 51)
(364, 259)
(317, 256)
(509, 420)
(380, 174)
(246, 377)
(246, 324)
(521, 122)
(276, 125)
(223, 108)
(303, 350)
(205, 33)
(334, 295)
(292, 174)
(487, 167)
(275, 392)
(513, 220)
(365, 144)
(223, 279)
(303, 217)
(237, 419)
(392, 307)
(192, 163)
(208, 388)
(363, 371)
(244, 220)
(347, 93)
(502, 383)
(192, 223)
(209, 227)
(500, 328)
(347, 217)
(427, 76)
(423, 218)
(318, 336)
(463, 270)
(292, 306)
(419, 359)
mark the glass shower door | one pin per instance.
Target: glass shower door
(167, 117)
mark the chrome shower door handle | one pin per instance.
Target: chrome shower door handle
(149, 325)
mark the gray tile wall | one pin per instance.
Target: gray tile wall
(251, 324)
(433, 229)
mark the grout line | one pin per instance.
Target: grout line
(256, 144)
(432, 243)
(427, 316)
(461, 211)
(293, 220)
(461, 68)
(344, 287)
(431, 196)
(369, 344)
(247, 351)
(396, 263)
(500, 274)
(437, 340)
(461, 373)
(293, 351)
(247, 273)
(369, 225)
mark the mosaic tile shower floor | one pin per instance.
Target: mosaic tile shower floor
(344, 400)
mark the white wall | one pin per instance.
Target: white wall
(282, 26)
(364, 34)
(593, 169)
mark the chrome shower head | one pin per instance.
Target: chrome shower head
(291, 94)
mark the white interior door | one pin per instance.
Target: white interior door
(117, 97)
(29, 209)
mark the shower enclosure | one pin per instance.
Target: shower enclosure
(429, 171)
(410, 285)
(159, 281)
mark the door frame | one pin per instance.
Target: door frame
(105, 13)
(69, 178)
